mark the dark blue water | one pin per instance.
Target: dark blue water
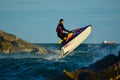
(31, 66)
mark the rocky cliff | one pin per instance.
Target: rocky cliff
(10, 43)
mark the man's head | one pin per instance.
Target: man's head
(61, 21)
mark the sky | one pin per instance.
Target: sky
(36, 20)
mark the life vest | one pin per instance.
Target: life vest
(59, 29)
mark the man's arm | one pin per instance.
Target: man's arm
(65, 29)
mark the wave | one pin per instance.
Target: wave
(100, 51)
(95, 51)
(53, 55)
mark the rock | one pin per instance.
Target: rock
(10, 43)
(119, 55)
(111, 73)
(104, 63)
(107, 68)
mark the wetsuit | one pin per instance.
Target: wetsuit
(60, 31)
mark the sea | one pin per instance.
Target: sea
(32, 66)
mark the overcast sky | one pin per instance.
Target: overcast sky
(36, 20)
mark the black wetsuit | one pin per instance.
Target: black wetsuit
(60, 31)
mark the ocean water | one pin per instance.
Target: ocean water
(31, 66)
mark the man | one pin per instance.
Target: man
(61, 30)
